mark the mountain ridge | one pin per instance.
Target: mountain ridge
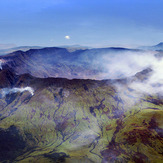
(59, 62)
(157, 47)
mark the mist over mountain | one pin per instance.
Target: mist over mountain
(81, 105)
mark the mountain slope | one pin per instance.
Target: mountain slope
(78, 120)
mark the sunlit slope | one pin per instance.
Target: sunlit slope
(79, 120)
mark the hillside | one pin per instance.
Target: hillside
(78, 121)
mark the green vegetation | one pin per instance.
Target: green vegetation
(81, 121)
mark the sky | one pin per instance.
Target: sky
(94, 23)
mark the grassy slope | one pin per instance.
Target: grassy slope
(82, 120)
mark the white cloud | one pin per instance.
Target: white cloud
(125, 64)
(6, 91)
(67, 37)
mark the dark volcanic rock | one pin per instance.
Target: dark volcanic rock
(11, 143)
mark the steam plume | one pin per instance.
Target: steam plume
(6, 91)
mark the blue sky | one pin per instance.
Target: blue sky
(95, 23)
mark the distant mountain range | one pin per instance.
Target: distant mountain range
(22, 48)
(4, 51)
(155, 47)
